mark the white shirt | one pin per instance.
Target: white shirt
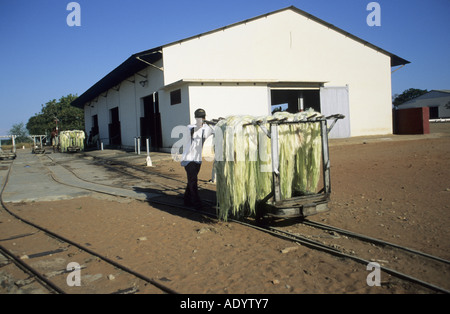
(199, 135)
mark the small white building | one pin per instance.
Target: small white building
(284, 57)
(437, 100)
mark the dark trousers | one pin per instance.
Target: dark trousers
(191, 196)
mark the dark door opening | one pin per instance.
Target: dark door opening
(94, 129)
(114, 127)
(94, 132)
(95, 122)
(294, 101)
(434, 112)
(151, 122)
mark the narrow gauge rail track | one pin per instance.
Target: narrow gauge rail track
(11, 264)
(383, 248)
(315, 244)
(34, 280)
(49, 267)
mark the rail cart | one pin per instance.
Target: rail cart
(38, 145)
(7, 155)
(12, 153)
(71, 141)
(299, 206)
(73, 149)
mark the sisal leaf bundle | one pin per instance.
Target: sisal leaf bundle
(71, 138)
(243, 162)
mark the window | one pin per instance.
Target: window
(175, 97)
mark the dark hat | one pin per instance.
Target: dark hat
(200, 113)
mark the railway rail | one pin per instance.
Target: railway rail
(35, 282)
(362, 249)
(50, 268)
(435, 263)
(308, 240)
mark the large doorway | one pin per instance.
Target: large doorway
(326, 100)
(151, 122)
(94, 129)
(115, 137)
(293, 101)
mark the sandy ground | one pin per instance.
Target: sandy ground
(396, 190)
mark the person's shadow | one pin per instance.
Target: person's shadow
(174, 204)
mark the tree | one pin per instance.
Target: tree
(69, 117)
(21, 132)
(408, 95)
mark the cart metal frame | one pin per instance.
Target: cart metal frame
(38, 147)
(8, 155)
(300, 206)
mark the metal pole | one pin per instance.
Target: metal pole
(149, 160)
(325, 157)
(275, 162)
(14, 143)
(139, 145)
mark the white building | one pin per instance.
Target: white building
(437, 100)
(284, 57)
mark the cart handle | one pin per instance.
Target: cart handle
(336, 117)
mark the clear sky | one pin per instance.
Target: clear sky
(42, 58)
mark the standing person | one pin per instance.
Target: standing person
(54, 139)
(191, 159)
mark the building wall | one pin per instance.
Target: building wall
(282, 47)
(173, 115)
(434, 98)
(230, 99)
(444, 112)
(128, 112)
(287, 46)
(217, 99)
(413, 120)
(128, 98)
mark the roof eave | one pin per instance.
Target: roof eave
(128, 68)
(133, 65)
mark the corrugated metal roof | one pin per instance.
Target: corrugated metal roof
(116, 76)
(434, 98)
(133, 64)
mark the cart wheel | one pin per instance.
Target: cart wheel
(261, 217)
(260, 212)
